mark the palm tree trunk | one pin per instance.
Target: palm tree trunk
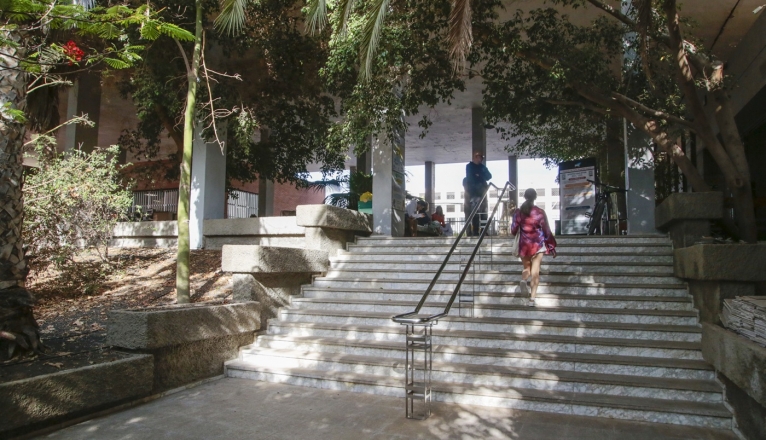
(184, 187)
(18, 328)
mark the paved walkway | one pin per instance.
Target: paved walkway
(243, 409)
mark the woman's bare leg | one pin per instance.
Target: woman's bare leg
(535, 273)
(527, 262)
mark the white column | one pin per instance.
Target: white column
(478, 133)
(639, 179)
(84, 97)
(265, 197)
(430, 184)
(208, 186)
(388, 185)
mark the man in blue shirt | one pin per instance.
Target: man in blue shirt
(475, 185)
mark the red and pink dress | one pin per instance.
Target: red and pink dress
(535, 232)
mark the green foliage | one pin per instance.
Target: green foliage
(280, 91)
(72, 203)
(410, 69)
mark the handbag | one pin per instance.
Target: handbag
(515, 244)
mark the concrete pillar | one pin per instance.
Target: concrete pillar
(430, 184)
(478, 132)
(388, 185)
(208, 186)
(265, 198)
(364, 162)
(513, 177)
(639, 179)
(615, 163)
(265, 188)
(84, 97)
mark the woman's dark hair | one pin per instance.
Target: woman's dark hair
(529, 195)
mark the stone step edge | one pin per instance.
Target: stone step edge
(556, 339)
(562, 356)
(507, 243)
(542, 374)
(345, 259)
(526, 322)
(515, 273)
(412, 304)
(717, 410)
(514, 283)
(466, 333)
(562, 296)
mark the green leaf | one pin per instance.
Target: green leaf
(232, 17)
(116, 64)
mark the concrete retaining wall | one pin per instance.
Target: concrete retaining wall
(41, 401)
(145, 234)
(188, 342)
(741, 365)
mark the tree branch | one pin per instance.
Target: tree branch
(584, 105)
(654, 113)
(183, 54)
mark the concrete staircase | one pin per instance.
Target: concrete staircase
(614, 334)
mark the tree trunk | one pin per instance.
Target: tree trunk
(18, 328)
(182, 264)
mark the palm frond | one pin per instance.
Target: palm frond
(232, 17)
(321, 185)
(373, 27)
(317, 16)
(460, 34)
(344, 7)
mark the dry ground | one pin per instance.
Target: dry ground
(73, 324)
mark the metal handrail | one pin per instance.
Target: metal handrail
(407, 318)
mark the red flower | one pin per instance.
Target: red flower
(73, 52)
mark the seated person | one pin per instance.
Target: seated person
(438, 216)
(421, 221)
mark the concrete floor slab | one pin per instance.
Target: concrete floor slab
(234, 409)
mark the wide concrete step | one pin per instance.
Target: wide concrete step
(708, 414)
(580, 314)
(495, 328)
(625, 240)
(513, 341)
(544, 360)
(546, 286)
(518, 299)
(487, 276)
(563, 257)
(495, 375)
(486, 264)
(641, 249)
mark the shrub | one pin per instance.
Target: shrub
(72, 203)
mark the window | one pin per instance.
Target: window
(450, 196)
(493, 193)
(555, 192)
(541, 205)
(462, 195)
(521, 194)
(556, 205)
(540, 192)
(450, 208)
(437, 196)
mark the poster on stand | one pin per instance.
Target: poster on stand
(577, 195)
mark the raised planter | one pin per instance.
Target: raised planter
(271, 275)
(687, 216)
(330, 228)
(263, 231)
(48, 399)
(743, 363)
(189, 342)
(160, 234)
(719, 271)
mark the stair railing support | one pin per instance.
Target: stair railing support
(418, 365)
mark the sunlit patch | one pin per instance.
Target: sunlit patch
(135, 420)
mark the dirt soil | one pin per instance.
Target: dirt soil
(73, 325)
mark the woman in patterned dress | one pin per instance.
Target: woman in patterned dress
(536, 239)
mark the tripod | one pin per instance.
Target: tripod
(602, 212)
